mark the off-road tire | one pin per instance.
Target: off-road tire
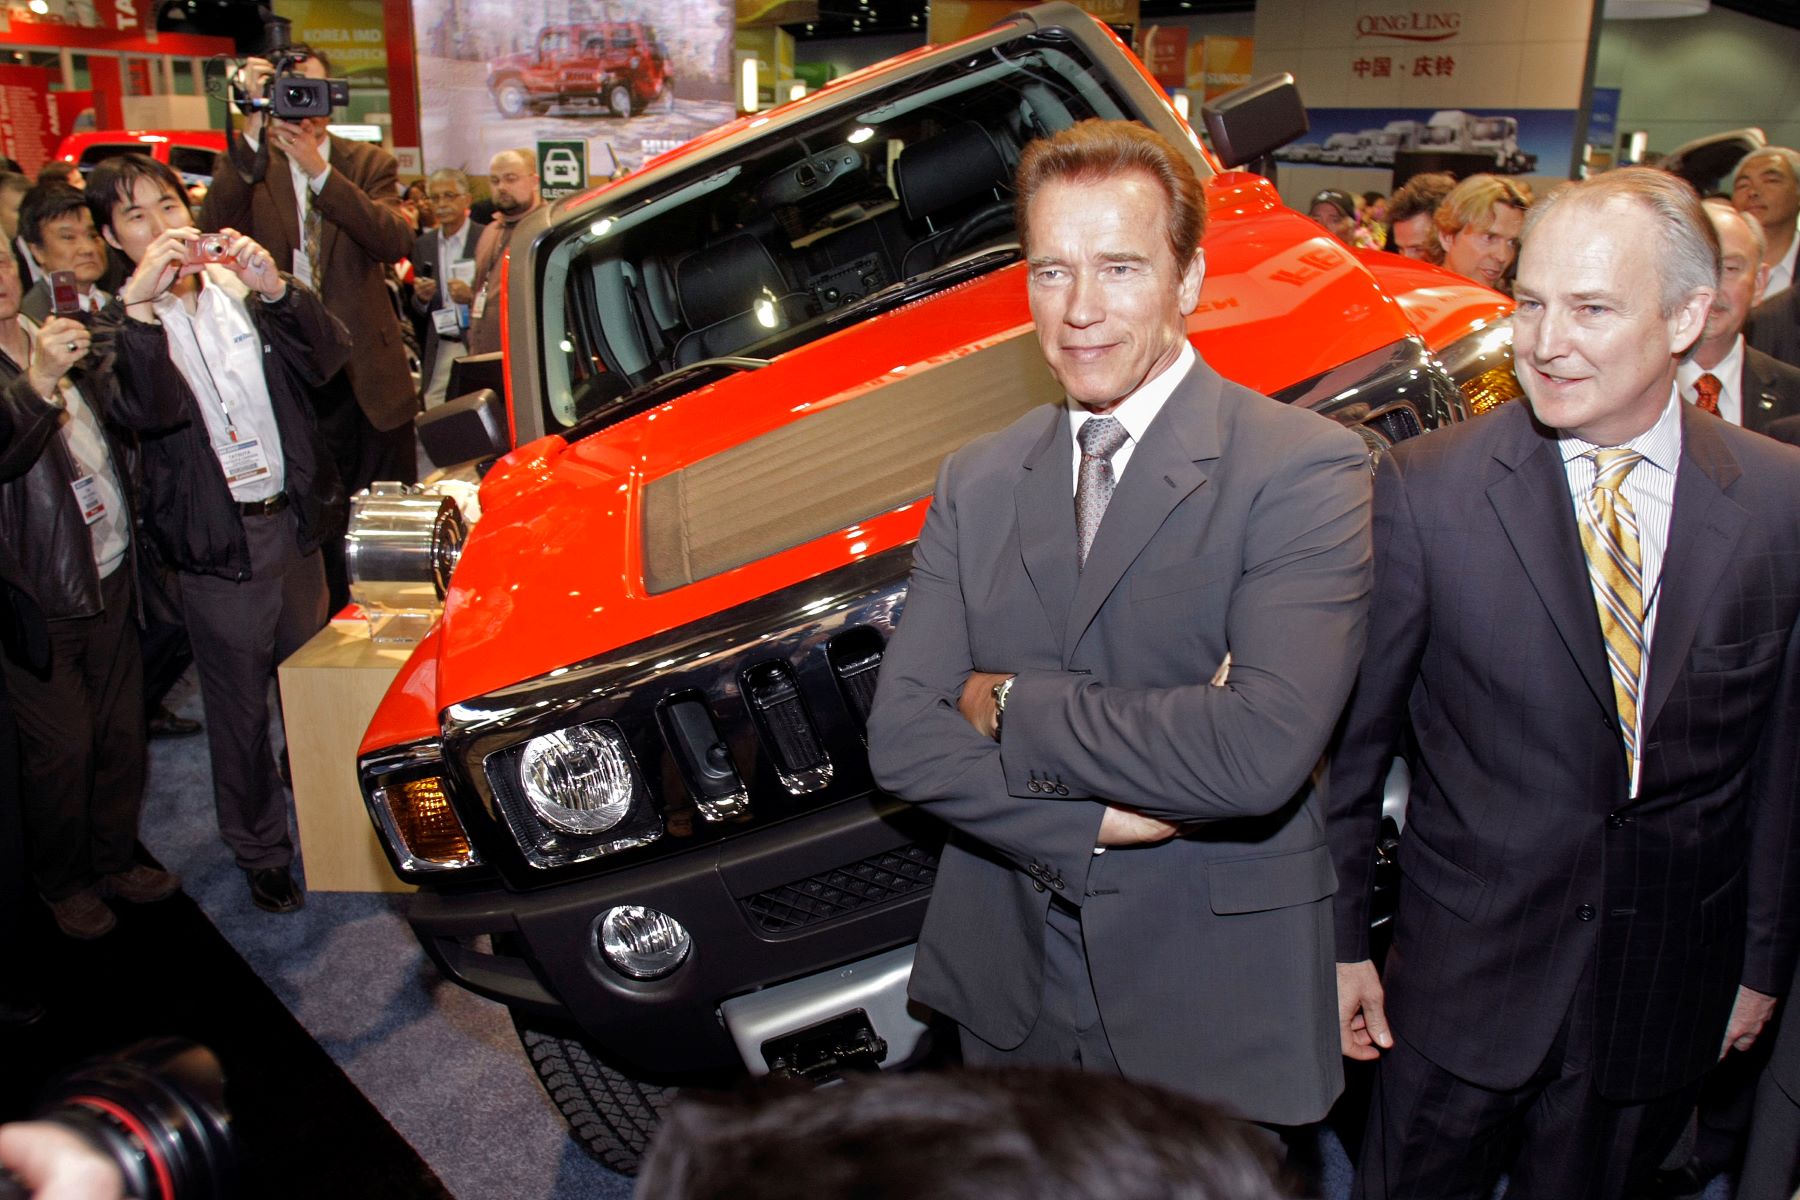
(510, 98)
(612, 1115)
(618, 98)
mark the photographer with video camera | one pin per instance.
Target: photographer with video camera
(217, 350)
(328, 210)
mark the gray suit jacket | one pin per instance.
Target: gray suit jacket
(1238, 524)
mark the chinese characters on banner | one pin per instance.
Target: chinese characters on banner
(1382, 66)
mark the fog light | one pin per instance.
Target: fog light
(642, 943)
(578, 780)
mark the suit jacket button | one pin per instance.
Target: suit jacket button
(1062, 789)
(1057, 883)
(1585, 912)
(1037, 885)
(1034, 786)
(1615, 821)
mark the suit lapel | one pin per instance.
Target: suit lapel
(1703, 538)
(1759, 396)
(1045, 500)
(1532, 503)
(1162, 472)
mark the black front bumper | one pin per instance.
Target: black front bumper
(780, 903)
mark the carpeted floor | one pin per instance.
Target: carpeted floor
(443, 1067)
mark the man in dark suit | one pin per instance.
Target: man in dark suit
(1585, 609)
(1118, 717)
(1722, 374)
(1774, 327)
(329, 211)
(444, 268)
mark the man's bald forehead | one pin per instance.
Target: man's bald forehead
(507, 158)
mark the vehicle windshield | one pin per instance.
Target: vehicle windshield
(1437, 135)
(1491, 130)
(779, 241)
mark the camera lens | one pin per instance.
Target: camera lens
(298, 98)
(157, 1109)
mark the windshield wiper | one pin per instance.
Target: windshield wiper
(919, 286)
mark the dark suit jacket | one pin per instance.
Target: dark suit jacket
(1774, 327)
(424, 258)
(1771, 390)
(1239, 524)
(35, 303)
(1523, 860)
(364, 231)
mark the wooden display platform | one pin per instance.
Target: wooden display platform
(329, 690)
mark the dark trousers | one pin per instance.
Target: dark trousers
(240, 633)
(166, 657)
(81, 742)
(362, 455)
(1434, 1136)
(12, 842)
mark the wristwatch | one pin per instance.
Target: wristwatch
(1001, 691)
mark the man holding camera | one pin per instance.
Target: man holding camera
(328, 210)
(217, 349)
(78, 694)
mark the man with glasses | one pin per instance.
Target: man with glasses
(513, 182)
(444, 265)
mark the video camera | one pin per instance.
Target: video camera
(289, 96)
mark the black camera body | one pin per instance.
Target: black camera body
(294, 97)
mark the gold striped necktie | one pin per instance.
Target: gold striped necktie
(1609, 538)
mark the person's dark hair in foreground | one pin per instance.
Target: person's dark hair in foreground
(963, 1135)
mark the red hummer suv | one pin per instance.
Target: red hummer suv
(618, 64)
(626, 768)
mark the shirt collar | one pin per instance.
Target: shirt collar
(1136, 411)
(1660, 444)
(213, 277)
(1728, 371)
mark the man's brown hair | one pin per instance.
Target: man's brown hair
(1095, 150)
(1420, 194)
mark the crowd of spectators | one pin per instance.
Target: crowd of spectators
(192, 384)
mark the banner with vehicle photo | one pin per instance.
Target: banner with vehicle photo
(1520, 142)
(631, 78)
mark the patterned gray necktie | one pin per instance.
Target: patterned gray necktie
(1100, 439)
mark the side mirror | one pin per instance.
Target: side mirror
(467, 428)
(1256, 119)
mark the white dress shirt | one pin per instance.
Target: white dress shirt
(218, 350)
(1650, 490)
(451, 249)
(1135, 412)
(1729, 373)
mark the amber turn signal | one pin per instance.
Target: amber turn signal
(426, 823)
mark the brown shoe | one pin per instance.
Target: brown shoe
(83, 915)
(142, 884)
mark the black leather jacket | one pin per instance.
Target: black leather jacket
(40, 520)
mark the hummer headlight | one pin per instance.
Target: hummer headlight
(578, 780)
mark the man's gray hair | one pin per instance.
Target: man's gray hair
(1689, 246)
(451, 175)
(1790, 157)
(1723, 209)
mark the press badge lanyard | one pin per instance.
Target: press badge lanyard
(88, 497)
(242, 459)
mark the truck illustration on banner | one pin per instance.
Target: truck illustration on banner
(1447, 131)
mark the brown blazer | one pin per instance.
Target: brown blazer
(364, 231)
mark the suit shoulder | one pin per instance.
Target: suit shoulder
(1298, 429)
(1002, 450)
(1458, 447)
(1785, 375)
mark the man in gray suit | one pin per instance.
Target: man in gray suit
(1117, 717)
